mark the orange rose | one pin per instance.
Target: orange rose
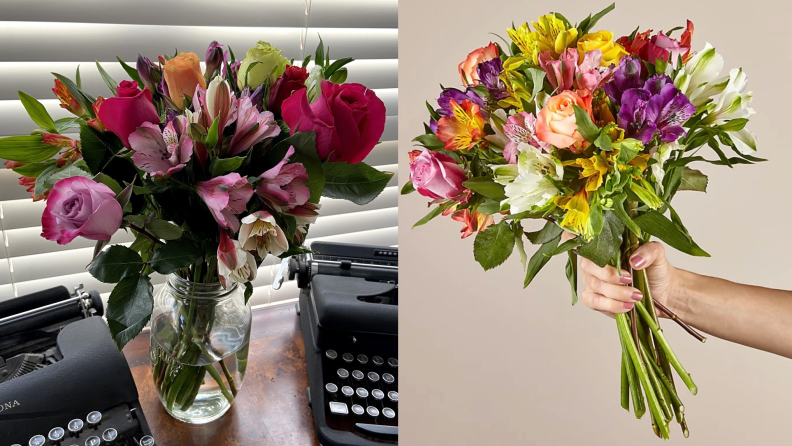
(182, 75)
(556, 121)
(468, 69)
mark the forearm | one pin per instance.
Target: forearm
(749, 315)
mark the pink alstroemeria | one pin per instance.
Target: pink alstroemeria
(305, 214)
(161, 152)
(260, 232)
(561, 72)
(234, 264)
(285, 185)
(591, 75)
(226, 196)
(248, 133)
(521, 128)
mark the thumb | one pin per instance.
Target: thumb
(649, 254)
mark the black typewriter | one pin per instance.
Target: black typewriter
(62, 379)
(349, 310)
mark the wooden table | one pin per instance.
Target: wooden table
(271, 408)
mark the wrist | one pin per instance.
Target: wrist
(679, 293)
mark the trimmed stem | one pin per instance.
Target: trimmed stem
(672, 358)
(639, 407)
(229, 377)
(670, 391)
(625, 385)
(216, 375)
(681, 323)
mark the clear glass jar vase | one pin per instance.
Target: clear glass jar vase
(200, 335)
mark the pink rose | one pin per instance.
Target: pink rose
(80, 206)
(234, 264)
(348, 120)
(285, 186)
(127, 111)
(468, 68)
(226, 196)
(437, 176)
(556, 122)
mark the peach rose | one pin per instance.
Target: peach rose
(468, 69)
(182, 74)
(556, 121)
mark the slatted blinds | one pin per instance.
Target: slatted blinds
(41, 36)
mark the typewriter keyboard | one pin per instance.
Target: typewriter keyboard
(360, 389)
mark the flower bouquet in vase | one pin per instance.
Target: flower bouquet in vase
(212, 171)
(593, 136)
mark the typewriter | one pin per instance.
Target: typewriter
(348, 310)
(62, 379)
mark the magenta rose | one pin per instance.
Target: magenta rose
(226, 196)
(348, 120)
(80, 206)
(437, 176)
(127, 111)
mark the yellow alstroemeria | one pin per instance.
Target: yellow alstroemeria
(516, 90)
(551, 34)
(595, 169)
(577, 216)
(612, 52)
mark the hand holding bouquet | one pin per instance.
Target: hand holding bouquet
(594, 136)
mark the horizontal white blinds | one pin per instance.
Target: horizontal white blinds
(43, 36)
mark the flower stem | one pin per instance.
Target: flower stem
(639, 407)
(672, 358)
(681, 323)
(229, 377)
(153, 239)
(670, 391)
(625, 385)
(216, 375)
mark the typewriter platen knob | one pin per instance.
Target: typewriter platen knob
(75, 426)
(147, 441)
(37, 440)
(94, 418)
(93, 441)
(56, 435)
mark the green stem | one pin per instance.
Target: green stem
(639, 406)
(625, 385)
(668, 386)
(216, 375)
(229, 377)
(672, 358)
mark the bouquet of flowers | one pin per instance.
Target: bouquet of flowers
(212, 170)
(594, 136)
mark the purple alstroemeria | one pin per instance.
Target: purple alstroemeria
(658, 108)
(215, 58)
(669, 109)
(444, 101)
(634, 115)
(489, 74)
(626, 76)
(149, 75)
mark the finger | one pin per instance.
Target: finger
(649, 254)
(599, 302)
(607, 313)
(607, 274)
(566, 235)
(618, 292)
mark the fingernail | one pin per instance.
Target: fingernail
(625, 279)
(637, 261)
(629, 305)
(636, 295)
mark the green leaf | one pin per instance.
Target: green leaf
(129, 308)
(539, 260)
(603, 141)
(648, 197)
(627, 150)
(494, 245)
(537, 78)
(518, 242)
(78, 78)
(164, 229)
(585, 126)
(408, 188)
(489, 206)
(604, 247)
(248, 290)
(124, 196)
(545, 235)
(41, 181)
(220, 166)
(336, 65)
(734, 125)
(661, 227)
(305, 152)
(487, 187)
(67, 171)
(26, 149)
(97, 147)
(85, 101)
(429, 141)
(568, 246)
(358, 183)
(571, 273)
(174, 255)
(595, 219)
(108, 80)
(694, 180)
(212, 135)
(63, 124)
(432, 214)
(319, 57)
(37, 113)
(130, 71)
(33, 170)
(109, 182)
(586, 25)
(621, 214)
(115, 263)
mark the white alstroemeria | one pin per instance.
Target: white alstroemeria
(744, 141)
(662, 154)
(734, 102)
(525, 183)
(260, 232)
(697, 80)
(497, 119)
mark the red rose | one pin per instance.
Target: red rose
(123, 114)
(348, 120)
(290, 81)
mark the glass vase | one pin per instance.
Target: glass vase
(200, 335)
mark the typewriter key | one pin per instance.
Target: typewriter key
(373, 377)
(378, 394)
(377, 361)
(361, 392)
(357, 409)
(75, 426)
(331, 354)
(393, 362)
(362, 359)
(56, 434)
(347, 391)
(93, 441)
(147, 441)
(357, 375)
(388, 412)
(347, 357)
(110, 435)
(94, 418)
(339, 408)
(37, 440)
(372, 411)
(388, 378)
(393, 396)
(331, 388)
(343, 373)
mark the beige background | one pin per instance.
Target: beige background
(485, 362)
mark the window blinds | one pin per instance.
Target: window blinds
(43, 36)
